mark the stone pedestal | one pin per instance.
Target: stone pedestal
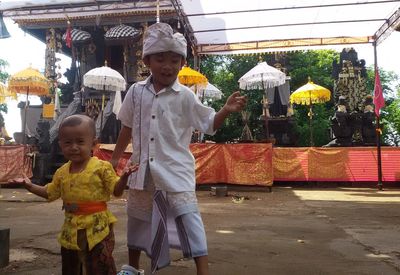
(42, 162)
(4, 246)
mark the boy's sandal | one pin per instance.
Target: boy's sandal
(130, 270)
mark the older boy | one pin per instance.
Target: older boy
(160, 114)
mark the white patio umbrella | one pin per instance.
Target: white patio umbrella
(104, 79)
(208, 91)
(261, 77)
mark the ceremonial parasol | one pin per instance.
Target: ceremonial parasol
(5, 94)
(310, 94)
(104, 79)
(208, 91)
(29, 82)
(77, 36)
(261, 77)
(189, 77)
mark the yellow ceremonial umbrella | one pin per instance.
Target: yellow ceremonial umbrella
(29, 82)
(5, 94)
(310, 94)
(189, 77)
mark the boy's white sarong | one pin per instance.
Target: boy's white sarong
(160, 220)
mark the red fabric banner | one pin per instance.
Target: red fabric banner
(260, 164)
(245, 164)
(379, 101)
(14, 162)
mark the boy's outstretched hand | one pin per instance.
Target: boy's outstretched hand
(235, 102)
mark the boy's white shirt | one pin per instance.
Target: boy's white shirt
(169, 118)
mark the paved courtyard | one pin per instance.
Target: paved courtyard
(288, 231)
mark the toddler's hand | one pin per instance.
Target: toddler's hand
(24, 180)
(129, 169)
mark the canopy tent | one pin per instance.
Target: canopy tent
(214, 27)
(35, 15)
(262, 26)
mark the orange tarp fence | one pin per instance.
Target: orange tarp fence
(246, 164)
(260, 164)
(233, 163)
(14, 162)
(335, 164)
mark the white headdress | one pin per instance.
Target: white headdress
(160, 37)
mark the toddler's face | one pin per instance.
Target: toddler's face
(76, 142)
(164, 67)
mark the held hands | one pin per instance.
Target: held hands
(235, 102)
(123, 180)
(129, 169)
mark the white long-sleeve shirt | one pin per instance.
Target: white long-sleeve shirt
(162, 124)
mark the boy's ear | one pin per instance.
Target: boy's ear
(146, 60)
(95, 141)
(183, 62)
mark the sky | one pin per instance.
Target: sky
(22, 50)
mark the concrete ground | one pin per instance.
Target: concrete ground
(289, 231)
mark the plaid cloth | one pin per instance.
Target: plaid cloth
(122, 31)
(78, 36)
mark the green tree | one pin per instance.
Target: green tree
(225, 71)
(3, 77)
(316, 65)
(390, 114)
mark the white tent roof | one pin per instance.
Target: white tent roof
(26, 12)
(259, 25)
(236, 26)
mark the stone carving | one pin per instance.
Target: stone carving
(354, 121)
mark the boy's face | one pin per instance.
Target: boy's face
(164, 67)
(77, 142)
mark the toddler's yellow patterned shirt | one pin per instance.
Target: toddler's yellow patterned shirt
(95, 183)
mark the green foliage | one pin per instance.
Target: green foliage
(3, 77)
(390, 114)
(320, 124)
(318, 66)
(3, 74)
(314, 64)
(225, 71)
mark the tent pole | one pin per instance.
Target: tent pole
(25, 115)
(378, 130)
(266, 108)
(310, 122)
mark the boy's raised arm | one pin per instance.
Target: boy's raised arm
(123, 140)
(234, 103)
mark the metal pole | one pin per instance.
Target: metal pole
(158, 11)
(266, 110)
(378, 130)
(310, 121)
(25, 115)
